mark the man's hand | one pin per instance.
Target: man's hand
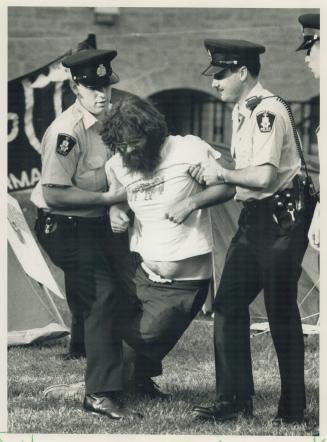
(314, 231)
(209, 172)
(179, 211)
(119, 220)
(114, 196)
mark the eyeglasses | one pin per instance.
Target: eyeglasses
(122, 147)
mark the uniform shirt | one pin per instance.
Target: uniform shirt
(264, 136)
(153, 236)
(68, 163)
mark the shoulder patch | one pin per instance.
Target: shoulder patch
(65, 143)
(265, 120)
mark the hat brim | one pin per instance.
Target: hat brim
(101, 81)
(212, 70)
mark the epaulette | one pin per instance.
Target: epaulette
(252, 102)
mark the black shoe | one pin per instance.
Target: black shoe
(279, 420)
(225, 410)
(147, 387)
(107, 405)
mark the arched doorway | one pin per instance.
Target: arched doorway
(193, 112)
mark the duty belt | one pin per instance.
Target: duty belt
(43, 214)
(276, 205)
(270, 201)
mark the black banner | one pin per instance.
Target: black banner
(34, 100)
(30, 112)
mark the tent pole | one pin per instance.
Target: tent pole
(53, 305)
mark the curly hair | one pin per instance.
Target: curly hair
(132, 118)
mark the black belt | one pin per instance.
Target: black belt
(269, 202)
(42, 214)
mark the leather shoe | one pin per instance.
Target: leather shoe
(147, 387)
(225, 410)
(279, 420)
(107, 405)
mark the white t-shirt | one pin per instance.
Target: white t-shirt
(153, 236)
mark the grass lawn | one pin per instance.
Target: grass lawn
(188, 375)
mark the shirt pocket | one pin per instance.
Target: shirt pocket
(93, 176)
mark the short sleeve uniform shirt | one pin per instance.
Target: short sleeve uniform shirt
(264, 136)
(73, 154)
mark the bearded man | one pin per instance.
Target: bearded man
(171, 232)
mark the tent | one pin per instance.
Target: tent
(32, 312)
(224, 218)
(33, 102)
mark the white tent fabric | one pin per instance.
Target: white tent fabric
(32, 313)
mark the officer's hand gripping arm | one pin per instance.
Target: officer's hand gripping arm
(61, 197)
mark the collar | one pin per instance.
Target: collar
(83, 114)
(240, 107)
(256, 91)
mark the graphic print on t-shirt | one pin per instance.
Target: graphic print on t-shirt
(146, 189)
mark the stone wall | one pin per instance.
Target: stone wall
(162, 48)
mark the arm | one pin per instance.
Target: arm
(257, 177)
(213, 195)
(212, 173)
(60, 159)
(267, 142)
(61, 197)
(118, 213)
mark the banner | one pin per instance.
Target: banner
(34, 100)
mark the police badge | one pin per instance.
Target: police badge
(265, 121)
(65, 143)
(101, 71)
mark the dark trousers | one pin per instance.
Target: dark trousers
(159, 317)
(78, 247)
(124, 264)
(262, 255)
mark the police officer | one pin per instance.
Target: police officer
(310, 24)
(72, 198)
(268, 248)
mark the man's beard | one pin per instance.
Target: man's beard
(144, 160)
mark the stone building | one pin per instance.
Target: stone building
(161, 56)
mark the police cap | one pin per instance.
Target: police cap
(92, 67)
(311, 30)
(227, 53)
